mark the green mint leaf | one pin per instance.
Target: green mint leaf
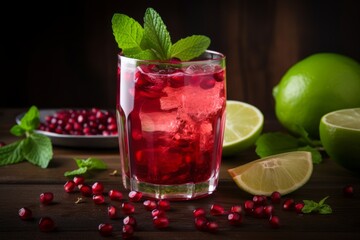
(325, 209)
(143, 55)
(128, 33)
(76, 172)
(315, 154)
(11, 153)
(274, 143)
(188, 48)
(305, 139)
(94, 163)
(321, 202)
(37, 149)
(156, 35)
(17, 130)
(31, 120)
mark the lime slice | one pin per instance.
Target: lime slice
(243, 125)
(340, 136)
(285, 173)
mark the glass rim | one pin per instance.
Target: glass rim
(219, 57)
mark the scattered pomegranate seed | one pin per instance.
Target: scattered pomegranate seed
(115, 195)
(288, 204)
(234, 218)
(130, 220)
(236, 209)
(78, 180)
(127, 208)
(201, 223)
(163, 205)
(161, 222)
(212, 226)
(150, 205)
(25, 213)
(348, 191)
(97, 188)
(274, 221)
(46, 197)
(127, 231)
(69, 186)
(258, 212)
(198, 212)
(275, 197)
(298, 207)
(135, 196)
(99, 199)
(105, 229)
(157, 213)
(46, 224)
(248, 206)
(259, 200)
(112, 212)
(217, 210)
(86, 190)
(268, 210)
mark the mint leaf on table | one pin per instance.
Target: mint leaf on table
(35, 148)
(277, 142)
(153, 41)
(190, 47)
(311, 206)
(85, 166)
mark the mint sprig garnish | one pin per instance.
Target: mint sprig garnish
(277, 142)
(86, 166)
(153, 42)
(33, 147)
(321, 207)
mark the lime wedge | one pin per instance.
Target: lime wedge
(285, 173)
(243, 125)
(340, 136)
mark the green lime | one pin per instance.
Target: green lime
(243, 125)
(314, 86)
(340, 136)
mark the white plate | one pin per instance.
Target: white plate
(66, 140)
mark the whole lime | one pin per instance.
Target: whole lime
(314, 86)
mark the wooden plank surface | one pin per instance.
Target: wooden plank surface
(21, 185)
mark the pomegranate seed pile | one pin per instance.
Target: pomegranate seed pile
(81, 122)
(206, 220)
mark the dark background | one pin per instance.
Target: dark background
(63, 53)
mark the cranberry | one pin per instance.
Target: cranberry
(201, 223)
(275, 197)
(46, 224)
(163, 205)
(86, 190)
(99, 199)
(105, 229)
(234, 218)
(198, 212)
(298, 207)
(127, 208)
(127, 231)
(348, 191)
(288, 204)
(97, 188)
(112, 212)
(216, 210)
(25, 213)
(150, 205)
(135, 196)
(115, 195)
(274, 221)
(78, 180)
(130, 220)
(161, 222)
(69, 186)
(46, 197)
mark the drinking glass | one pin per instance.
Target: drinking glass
(171, 117)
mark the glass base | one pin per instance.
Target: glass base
(186, 191)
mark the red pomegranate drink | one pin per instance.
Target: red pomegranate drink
(170, 110)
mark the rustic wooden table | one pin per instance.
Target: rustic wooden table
(21, 184)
